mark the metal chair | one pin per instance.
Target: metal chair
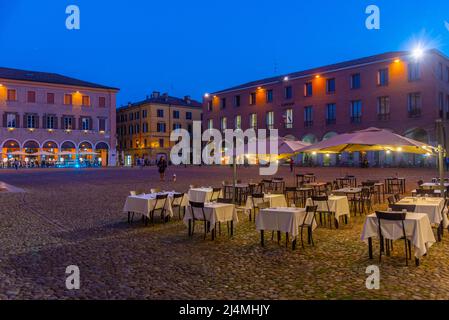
(177, 203)
(393, 216)
(327, 212)
(215, 194)
(258, 202)
(308, 222)
(402, 207)
(291, 193)
(391, 200)
(159, 204)
(202, 217)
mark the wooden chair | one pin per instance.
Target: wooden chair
(159, 204)
(328, 213)
(258, 202)
(215, 194)
(176, 203)
(291, 193)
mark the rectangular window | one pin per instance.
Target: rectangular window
(210, 105)
(383, 108)
(50, 98)
(188, 115)
(160, 113)
(131, 129)
(137, 115)
(238, 122)
(31, 96)
(224, 123)
(31, 121)
(252, 98)
(270, 120)
(177, 126)
(210, 124)
(12, 95)
(330, 85)
(308, 89)
(447, 74)
(440, 71)
(11, 120)
(102, 125)
(441, 104)
(161, 127)
(223, 103)
(288, 92)
(269, 96)
(68, 99)
(50, 122)
(237, 101)
(102, 102)
(355, 81)
(68, 123)
(144, 114)
(356, 111)
(331, 113)
(382, 77)
(414, 105)
(131, 116)
(137, 128)
(175, 114)
(86, 101)
(253, 121)
(161, 143)
(85, 124)
(288, 118)
(413, 71)
(308, 116)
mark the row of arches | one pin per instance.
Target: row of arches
(417, 134)
(33, 144)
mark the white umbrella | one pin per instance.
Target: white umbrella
(66, 153)
(19, 153)
(43, 153)
(88, 153)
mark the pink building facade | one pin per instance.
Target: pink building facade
(56, 119)
(397, 91)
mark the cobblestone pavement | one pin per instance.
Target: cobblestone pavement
(74, 217)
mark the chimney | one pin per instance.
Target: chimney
(155, 94)
(187, 99)
(165, 96)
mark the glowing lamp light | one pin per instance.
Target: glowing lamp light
(388, 151)
(397, 60)
(418, 52)
(317, 76)
(314, 153)
(1, 85)
(206, 95)
(328, 155)
(399, 149)
(5, 159)
(286, 78)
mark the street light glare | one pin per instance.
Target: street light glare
(418, 53)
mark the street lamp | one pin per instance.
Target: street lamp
(418, 52)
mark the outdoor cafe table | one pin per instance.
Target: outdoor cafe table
(200, 194)
(275, 200)
(389, 184)
(417, 229)
(214, 212)
(337, 204)
(282, 219)
(433, 185)
(316, 186)
(433, 207)
(241, 189)
(144, 203)
(350, 193)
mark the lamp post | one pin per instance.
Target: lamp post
(441, 136)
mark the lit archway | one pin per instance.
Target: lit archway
(329, 135)
(102, 148)
(309, 138)
(417, 134)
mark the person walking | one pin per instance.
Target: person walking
(162, 166)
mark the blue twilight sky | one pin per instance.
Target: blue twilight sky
(195, 46)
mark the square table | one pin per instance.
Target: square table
(201, 194)
(350, 193)
(417, 229)
(282, 219)
(274, 200)
(433, 207)
(214, 212)
(144, 203)
(337, 204)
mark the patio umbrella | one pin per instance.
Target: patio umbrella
(371, 139)
(66, 153)
(88, 153)
(43, 153)
(285, 147)
(19, 153)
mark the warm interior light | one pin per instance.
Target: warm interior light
(399, 149)
(317, 76)
(388, 151)
(397, 60)
(314, 153)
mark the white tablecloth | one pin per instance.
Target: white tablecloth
(433, 207)
(282, 219)
(337, 204)
(201, 194)
(417, 229)
(275, 200)
(215, 212)
(144, 203)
